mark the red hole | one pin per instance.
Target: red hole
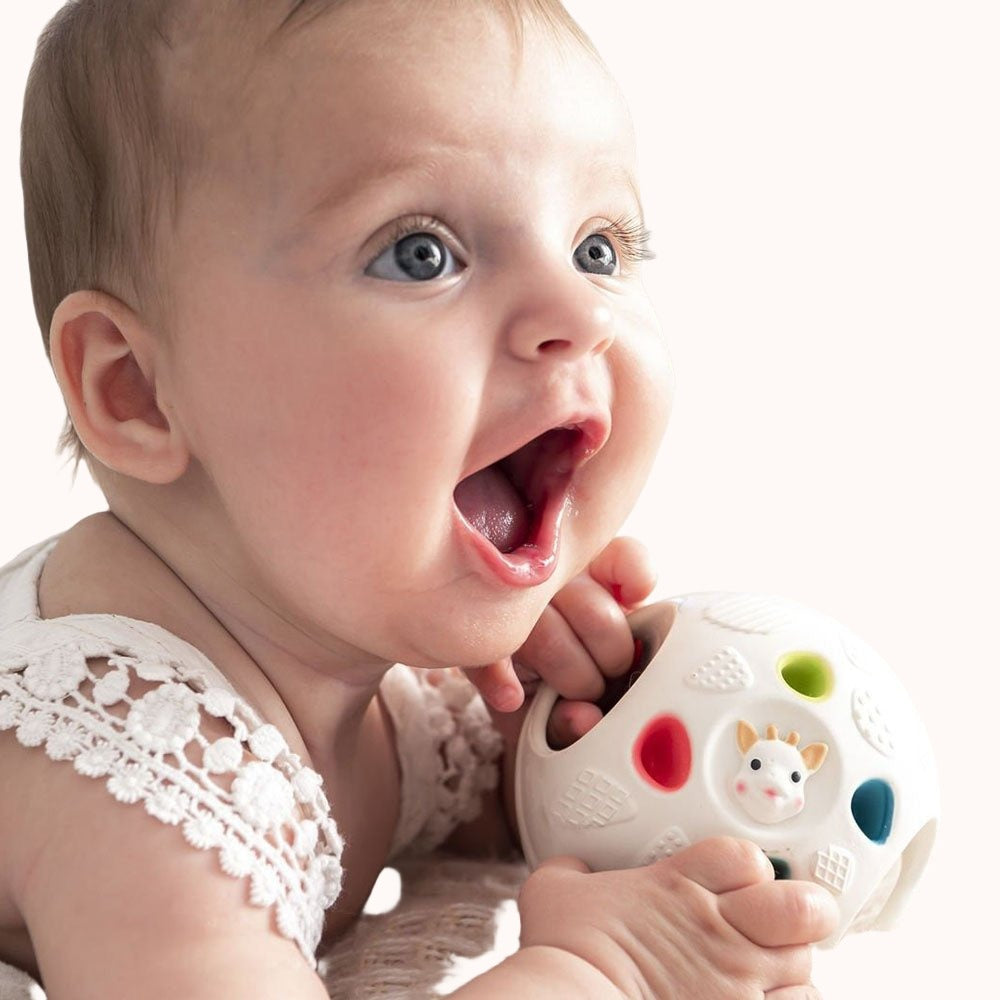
(662, 753)
(637, 651)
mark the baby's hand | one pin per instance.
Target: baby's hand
(581, 638)
(709, 923)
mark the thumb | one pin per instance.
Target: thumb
(498, 684)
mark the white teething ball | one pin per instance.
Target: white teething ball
(753, 717)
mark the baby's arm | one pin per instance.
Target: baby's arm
(119, 904)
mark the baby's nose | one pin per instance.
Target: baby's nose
(558, 320)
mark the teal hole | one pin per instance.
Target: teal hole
(872, 807)
(808, 674)
(782, 869)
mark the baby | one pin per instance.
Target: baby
(345, 305)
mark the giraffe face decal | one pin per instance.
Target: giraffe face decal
(770, 784)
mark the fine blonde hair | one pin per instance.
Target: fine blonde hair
(105, 150)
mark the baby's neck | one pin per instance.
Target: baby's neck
(317, 694)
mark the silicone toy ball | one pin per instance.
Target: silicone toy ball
(752, 717)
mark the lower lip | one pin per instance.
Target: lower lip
(527, 565)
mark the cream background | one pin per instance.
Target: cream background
(821, 182)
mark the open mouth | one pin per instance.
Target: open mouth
(514, 507)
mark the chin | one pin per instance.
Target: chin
(477, 639)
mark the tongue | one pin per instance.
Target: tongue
(489, 502)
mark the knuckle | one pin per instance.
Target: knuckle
(811, 910)
(562, 662)
(550, 656)
(793, 964)
(743, 856)
(543, 644)
(605, 616)
(735, 986)
(541, 880)
(549, 877)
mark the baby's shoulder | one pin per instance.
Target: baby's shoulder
(120, 861)
(97, 700)
(100, 566)
(153, 734)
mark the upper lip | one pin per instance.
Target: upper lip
(592, 421)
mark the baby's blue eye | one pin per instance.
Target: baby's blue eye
(596, 255)
(416, 257)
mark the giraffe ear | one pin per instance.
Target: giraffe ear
(814, 755)
(746, 736)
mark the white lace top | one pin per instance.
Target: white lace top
(244, 795)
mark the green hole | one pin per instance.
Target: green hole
(808, 674)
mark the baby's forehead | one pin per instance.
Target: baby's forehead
(223, 56)
(452, 80)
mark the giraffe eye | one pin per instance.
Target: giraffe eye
(796, 776)
(755, 764)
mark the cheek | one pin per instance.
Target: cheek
(642, 387)
(644, 391)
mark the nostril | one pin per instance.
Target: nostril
(548, 346)
(565, 346)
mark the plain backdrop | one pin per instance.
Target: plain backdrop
(821, 180)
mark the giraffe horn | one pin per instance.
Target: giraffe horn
(792, 738)
(772, 732)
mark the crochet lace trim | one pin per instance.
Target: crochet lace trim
(272, 824)
(448, 751)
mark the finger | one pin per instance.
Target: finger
(565, 862)
(569, 721)
(625, 569)
(808, 992)
(556, 654)
(788, 968)
(772, 914)
(724, 864)
(599, 623)
(498, 684)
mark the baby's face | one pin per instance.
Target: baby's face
(400, 269)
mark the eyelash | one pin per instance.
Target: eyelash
(631, 237)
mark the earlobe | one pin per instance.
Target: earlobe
(105, 362)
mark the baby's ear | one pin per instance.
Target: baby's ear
(105, 360)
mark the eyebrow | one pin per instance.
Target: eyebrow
(625, 177)
(355, 190)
